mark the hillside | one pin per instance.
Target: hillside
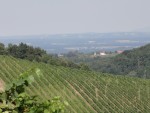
(134, 62)
(85, 91)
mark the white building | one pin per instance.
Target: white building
(102, 53)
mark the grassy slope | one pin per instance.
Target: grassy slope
(85, 91)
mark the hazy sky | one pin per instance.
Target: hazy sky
(27, 17)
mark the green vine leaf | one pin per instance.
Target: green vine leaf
(15, 100)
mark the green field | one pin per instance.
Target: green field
(85, 91)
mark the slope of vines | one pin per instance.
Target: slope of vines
(85, 91)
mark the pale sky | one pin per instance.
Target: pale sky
(33, 17)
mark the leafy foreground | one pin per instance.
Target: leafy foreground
(15, 100)
(85, 91)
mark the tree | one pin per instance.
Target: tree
(22, 51)
(84, 66)
(2, 49)
(12, 50)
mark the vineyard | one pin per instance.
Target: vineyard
(85, 91)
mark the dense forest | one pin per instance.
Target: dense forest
(134, 62)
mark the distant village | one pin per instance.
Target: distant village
(94, 54)
(103, 53)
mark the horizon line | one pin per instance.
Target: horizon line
(26, 35)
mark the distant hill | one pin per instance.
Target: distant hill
(82, 42)
(85, 91)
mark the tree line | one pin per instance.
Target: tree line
(24, 51)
